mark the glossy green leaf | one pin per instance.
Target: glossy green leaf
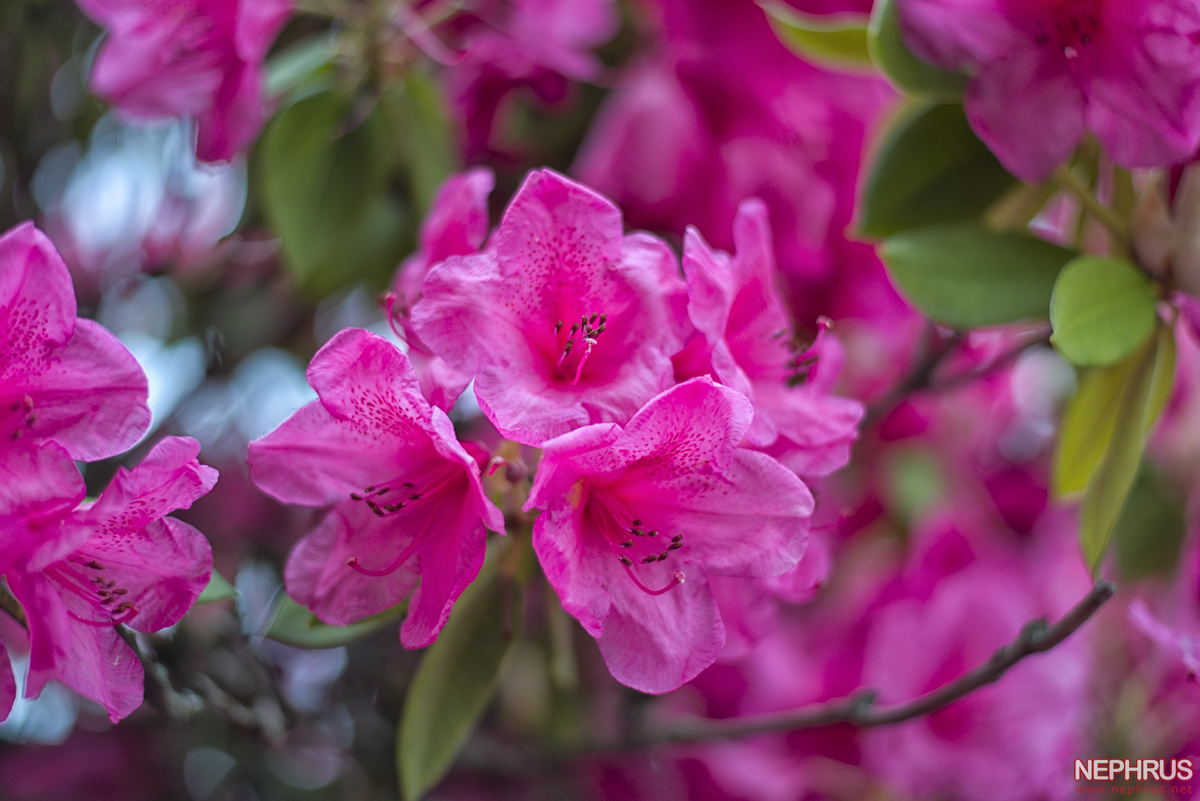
(324, 182)
(965, 276)
(834, 40)
(291, 67)
(423, 133)
(1149, 532)
(296, 625)
(218, 589)
(907, 73)
(930, 167)
(1101, 310)
(456, 679)
(1113, 477)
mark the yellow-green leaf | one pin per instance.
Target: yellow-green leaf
(835, 40)
(296, 625)
(1114, 475)
(1101, 309)
(218, 589)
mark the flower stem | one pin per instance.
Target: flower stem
(1066, 181)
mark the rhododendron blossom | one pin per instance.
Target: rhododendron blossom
(61, 378)
(407, 500)
(118, 560)
(745, 342)
(456, 225)
(635, 518)
(566, 322)
(197, 58)
(1046, 73)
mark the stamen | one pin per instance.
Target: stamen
(589, 343)
(678, 578)
(393, 567)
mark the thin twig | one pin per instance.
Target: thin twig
(11, 605)
(1097, 210)
(859, 710)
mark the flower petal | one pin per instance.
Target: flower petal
(457, 222)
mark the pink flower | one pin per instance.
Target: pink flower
(8, 684)
(746, 339)
(634, 519)
(1045, 73)
(533, 44)
(566, 322)
(189, 58)
(60, 378)
(456, 225)
(408, 504)
(116, 561)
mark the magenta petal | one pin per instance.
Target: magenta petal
(657, 643)
(450, 559)
(39, 486)
(1029, 110)
(8, 684)
(958, 35)
(1142, 80)
(93, 399)
(169, 478)
(162, 568)
(37, 302)
(318, 577)
(457, 222)
(92, 660)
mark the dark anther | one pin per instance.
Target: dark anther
(637, 522)
(409, 484)
(652, 533)
(379, 512)
(416, 496)
(627, 544)
(637, 532)
(391, 507)
(625, 561)
(94, 565)
(674, 546)
(677, 538)
(558, 326)
(648, 559)
(120, 592)
(355, 496)
(592, 319)
(382, 490)
(662, 556)
(370, 489)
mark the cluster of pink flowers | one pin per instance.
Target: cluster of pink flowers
(673, 409)
(71, 391)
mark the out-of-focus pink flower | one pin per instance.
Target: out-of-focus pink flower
(566, 322)
(457, 225)
(189, 58)
(1045, 74)
(119, 560)
(746, 339)
(634, 519)
(61, 378)
(408, 504)
(1033, 717)
(536, 44)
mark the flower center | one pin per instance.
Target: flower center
(1070, 26)
(800, 365)
(635, 544)
(393, 498)
(16, 415)
(87, 579)
(575, 353)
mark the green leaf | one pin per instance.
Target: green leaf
(1149, 532)
(931, 167)
(457, 678)
(907, 73)
(1113, 477)
(218, 589)
(296, 625)
(1101, 310)
(423, 134)
(325, 192)
(967, 277)
(834, 40)
(299, 62)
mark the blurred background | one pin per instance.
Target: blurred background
(939, 540)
